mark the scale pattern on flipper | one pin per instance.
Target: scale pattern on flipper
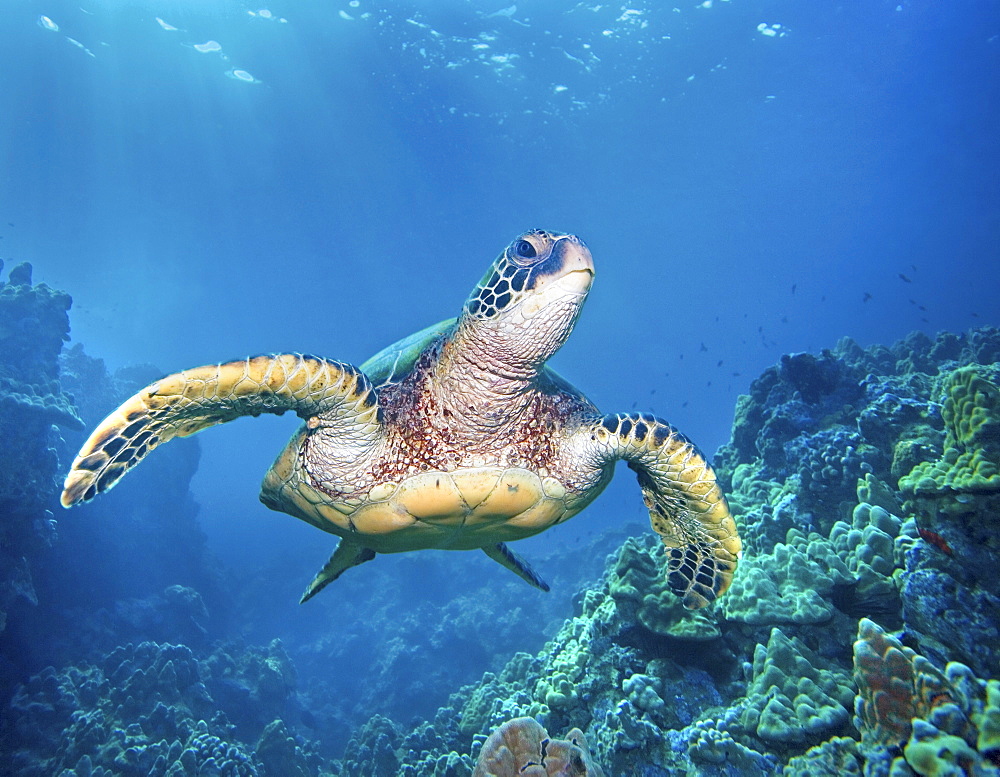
(686, 506)
(187, 402)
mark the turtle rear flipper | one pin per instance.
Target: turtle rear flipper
(347, 555)
(187, 402)
(508, 558)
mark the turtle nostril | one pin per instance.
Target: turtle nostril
(524, 249)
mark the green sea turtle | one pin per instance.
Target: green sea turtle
(456, 437)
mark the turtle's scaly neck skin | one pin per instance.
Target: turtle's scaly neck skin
(490, 368)
(479, 395)
(433, 423)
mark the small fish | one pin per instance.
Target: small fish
(936, 540)
(784, 319)
(904, 278)
(794, 286)
(921, 307)
(867, 297)
(703, 347)
(737, 374)
(719, 363)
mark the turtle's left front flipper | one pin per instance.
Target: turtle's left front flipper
(686, 506)
(189, 401)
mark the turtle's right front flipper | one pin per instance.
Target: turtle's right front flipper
(189, 401)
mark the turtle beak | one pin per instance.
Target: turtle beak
(575, 263)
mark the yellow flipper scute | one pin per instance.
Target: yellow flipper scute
(687, 509)
(187, 402)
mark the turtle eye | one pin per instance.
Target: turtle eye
(524, 250)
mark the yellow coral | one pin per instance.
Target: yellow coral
(943, 756)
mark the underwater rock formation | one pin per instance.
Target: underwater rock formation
(33, 406)
(139, 552)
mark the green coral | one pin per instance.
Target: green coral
(558, 691)
(969, 466)
(838, 755)
(643, 693)
(638, 586)
(867, 546)
(791, 584)
(709, 742)
(794, 698)
(987, 720)
(878, 493)
(933, 753)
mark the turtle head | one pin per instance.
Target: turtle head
(528, 301)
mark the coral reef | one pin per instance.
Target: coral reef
(155, 709)
(794, 697)
(944, 720)
(866, 483)
(522, 747)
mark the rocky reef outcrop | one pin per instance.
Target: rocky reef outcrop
(34, 407)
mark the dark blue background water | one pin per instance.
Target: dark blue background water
(743, 193)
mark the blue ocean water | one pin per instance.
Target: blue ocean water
(754, 177)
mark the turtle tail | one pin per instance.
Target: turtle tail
(187, 402)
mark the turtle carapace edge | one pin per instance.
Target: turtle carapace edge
(456, 437)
